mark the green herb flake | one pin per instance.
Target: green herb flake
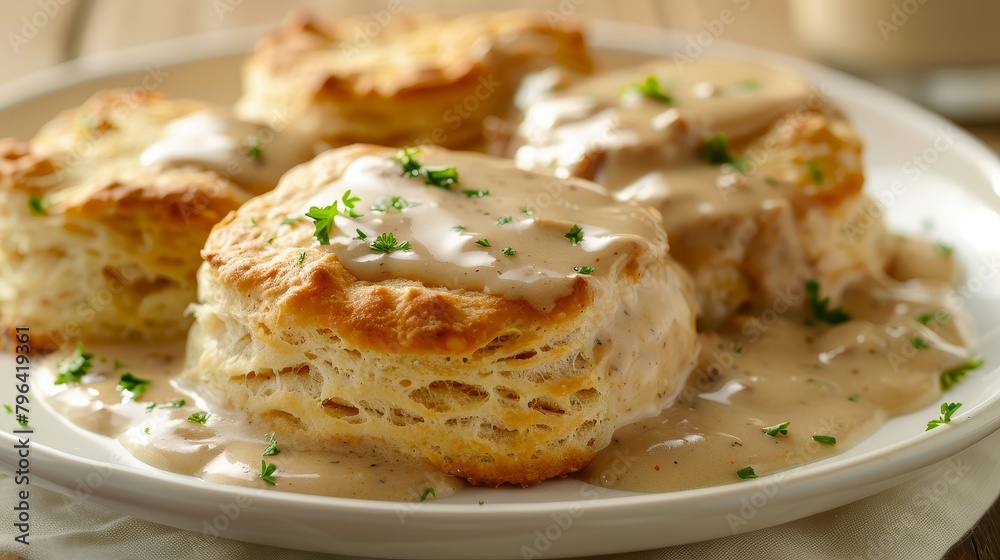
(8, 408)
(481, 502)
(135, 386)
(145, 430)
(323, 216)
(118, 365)
(387, 243)
(937, 315)
(854, 398)
(737, 348)
(73, 368)
(947, 409)
(829, 440)
(474, 193)
(815, 172)
(717, 152)
(457, 228)
(302, 257)
(944, 249)
(179, 403)
(503, 220)
(820, 306)
(575, 235)
(650, 87)
(253, 222)
(919, 343)
(361, 235)
(776, 429)
(443, 178)
(253, 148)
(771, 181)
(749, 84)
(272, 446)
(527, 211)
(585, 269)
(951, 377)
(271, 241)
(483, 242)
(746, 473)
(37, 206)
(395, 203)
(428, 492)
(199, 417)
(150, 407)
(509, 251)
(267, 471)
(407, 157)
(289, 221)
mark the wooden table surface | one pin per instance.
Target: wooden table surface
(89, 26)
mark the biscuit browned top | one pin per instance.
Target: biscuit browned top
(501, 249)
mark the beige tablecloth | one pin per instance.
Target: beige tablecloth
(919, 519)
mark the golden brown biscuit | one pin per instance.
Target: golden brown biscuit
(418, 79)
(757, 176)
(103, 213)
(509, 326)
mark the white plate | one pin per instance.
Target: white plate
(958, 191)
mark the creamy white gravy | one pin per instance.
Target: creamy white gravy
(251, 155)
(761, 369)
(457, 236)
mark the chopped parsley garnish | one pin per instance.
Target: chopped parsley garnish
(650, 87)
(254, 149)
(428, 492)
(503, 220)
(771, 181)
(288, 221)
(457, 228)
(271, 241)
(253, 222)
(396, 203)
(815, 172)
(947, 409)
(717, 152)
(267, 471)
(272, 446)
(483, 242)
(737, 348)
(951, 377)
(150, 407)
(37, 206)
(176, 404)
(443, 178)
(407, 157)
(937, 315)
(387, 243)
(361, 235)
(302, 257)
(527, 211)
(820, 306)
(73, 368)
(145, 430)
(22, 420)
(944, 249)
(585, 269)
(509, 251)
(481, 502)
(8, 408)
(135, 386)
(118, 365)
(919, 343)
(746, 473)
(474, 193)
(575, 235)
(323, 216)
(773, 431)
(829, 440)
(853, 398)
(199, 417)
